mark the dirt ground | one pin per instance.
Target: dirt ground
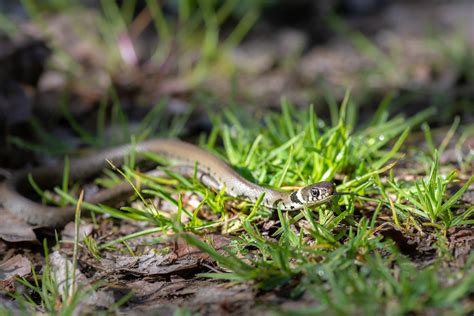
(380, 48)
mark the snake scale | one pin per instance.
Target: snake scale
(211, 171)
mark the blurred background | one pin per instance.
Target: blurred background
(72, 69)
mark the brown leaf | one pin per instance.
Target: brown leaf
(13, 229)
(62, 270)
(216, 241)
(150, 263)
(16, 266)
(70, 230)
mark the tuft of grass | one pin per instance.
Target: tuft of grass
(43, 292)
(428, 198)
(183, 29)
(380, 286)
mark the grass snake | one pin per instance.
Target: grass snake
(211, 171)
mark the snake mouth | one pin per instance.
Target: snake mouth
(321, 201)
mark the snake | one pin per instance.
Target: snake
(189, 160)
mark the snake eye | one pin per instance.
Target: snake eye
(315, 192)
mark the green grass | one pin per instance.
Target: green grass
(335, 252)
(43, 293)
(189, 35)
(342, 287)
(427, 198)
(393, 64)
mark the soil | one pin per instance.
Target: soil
(299, 58)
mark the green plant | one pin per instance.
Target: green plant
(428, 198)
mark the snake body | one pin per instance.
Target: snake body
(211, 171)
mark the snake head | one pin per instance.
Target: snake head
(317, 193)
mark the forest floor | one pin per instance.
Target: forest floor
(380, 103)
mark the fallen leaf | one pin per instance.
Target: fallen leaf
(13, 229)
(70, 230)
(216, 241)
(183, 257)
(150, 263)
(17, 266)
(61, 267)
